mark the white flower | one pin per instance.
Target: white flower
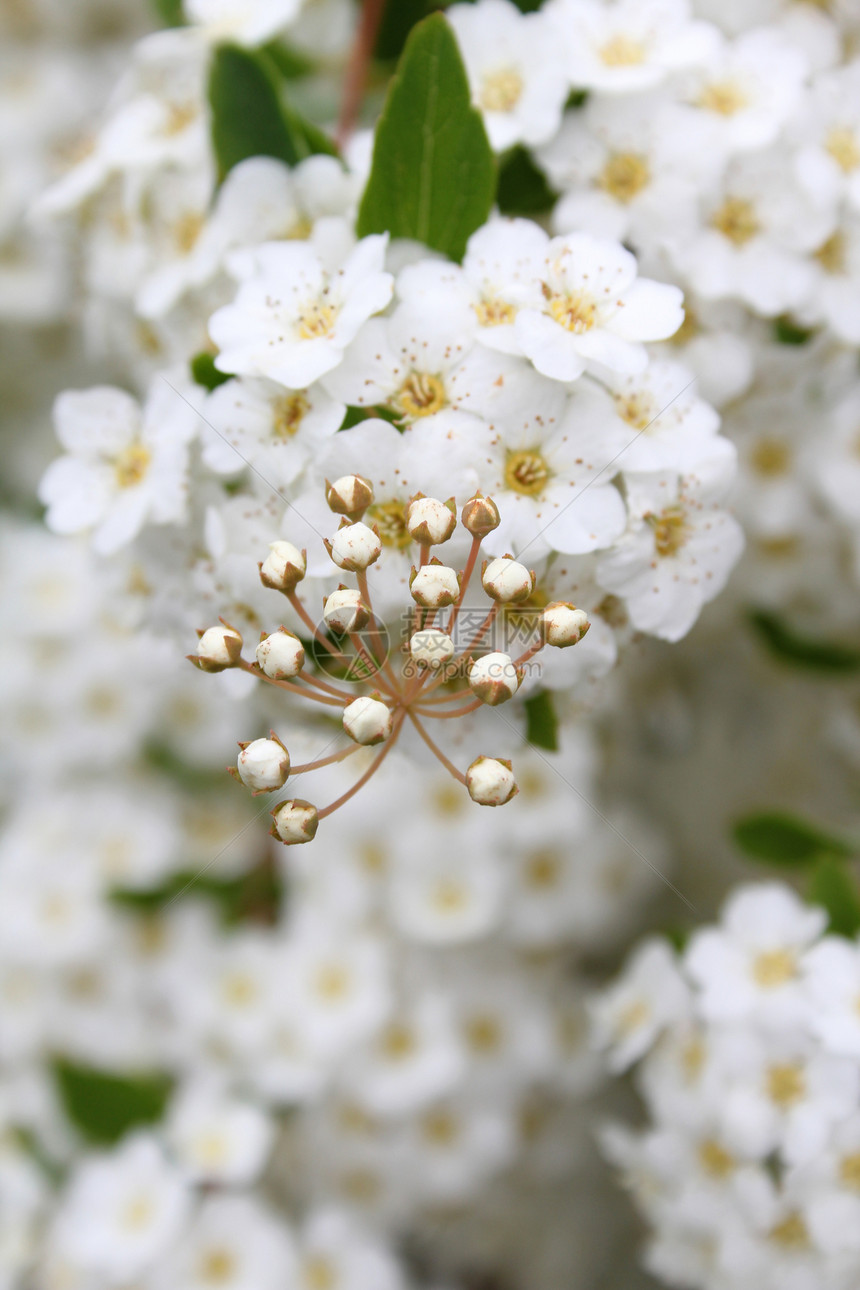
(516, 70)
(679, 548)
(828, 134)
(414, 1059)
(258, 424)
(296, 309)
(751, 967)
(239, 21)
(216, 1138)
(122, 1211)
(831, 975)
(234, 1242)
(594, 312)
(836, 465)
(334, 1247)
(125, 466)
(339, 986)
(833, 295)
(631, 44)
(439, 898)
(650, 996)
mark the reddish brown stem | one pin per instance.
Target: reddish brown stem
(324, 761)
(288, 685)
(437, 752)
(371, 770)
(356, 71)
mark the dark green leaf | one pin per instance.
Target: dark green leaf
(169, 12)
(205, 373)
(433, 173)
(398, 19)
(575, 99)
(291, 63)
(790, 333)
(103, 1106)
(804, 651)
(541, 721)
(833, 887)
(523, 189)
(355, 415)
(785, 840)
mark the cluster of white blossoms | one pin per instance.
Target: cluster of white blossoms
(391, 486)
(748, 1052)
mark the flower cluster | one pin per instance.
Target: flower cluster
(749, 1052)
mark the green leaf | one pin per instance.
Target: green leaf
(251, 118)
(433, 173)
(205, 373)
(833, 887)
(785, 840)
(398, 19)
(103, 1106)
(804, 651)
(541, 721)
(523, 189)
(169, 12)
(788, 332)
(291, 63)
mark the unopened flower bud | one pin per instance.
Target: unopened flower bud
(344, 611)
(295, 821)
(430, 521)
(367, 721)
(563, 624)
(490, 781)
(281, 655)
(494, 679)
(264, 764)
(434, 585)
(284, 566)
(350, 495)
(354, 547)
(217, 649)
(431, 647)
(507, 580)
(480, 515)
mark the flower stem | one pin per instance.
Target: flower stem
(356, 71)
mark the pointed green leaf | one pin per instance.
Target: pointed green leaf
(523, 188)
(103, 1106)
(832, 886)
(804, 651)
(541, 721)
(781, 839)
(432, 178)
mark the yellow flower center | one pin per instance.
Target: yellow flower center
(622, 51)
(131, 465)
(791, 1232)
(318, 1273)
(420, 395)
(287, 414)
(448, 896)
(831, 256)
(317, 321)
(670, 530)
(137, 1212)
(217, 1267)
(849, 1171)
(332, 982)
(502, 90)
(493, 312)
(624, 175)
(390, 520)
(543, 869)
(527, 473)
(786, 1084)
(440, 1128)
(239, 990)
(770, 457)
(632, 1017)
(736, 219)
(843, 147)
(398, 1042)
(773, 968)
(576, 312)
(179, 117)
(483, 1034)
(299, 231)
(637, 409)
(693, 1059)
(723, 97)
(714, 1159)
(186, 231)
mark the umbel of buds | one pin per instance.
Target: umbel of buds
(406, 685)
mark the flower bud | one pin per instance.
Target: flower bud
(494, 679)
(350, 495)
(480, 516)
(367, 721)
(563, 624)
(284, 566)
(507, 581)
(294, 821)
(430, 521)
(281, 655)
(434, 585)
(217, 649)
(431, 648)
(354, 547)
(490, 781)
(264, 764)
(344, 611)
